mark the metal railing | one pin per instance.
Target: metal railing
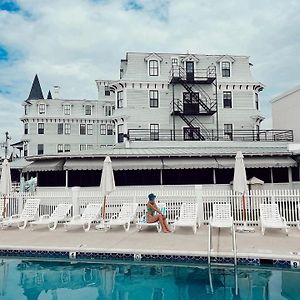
(288, 201)
(198, 74)
(213, 135)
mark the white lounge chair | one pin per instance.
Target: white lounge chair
(221, 217)
(125, 216)
(59, 215)
(271, 218)
(90, 214)
(142, 222)
(29, 213)
(188, 216)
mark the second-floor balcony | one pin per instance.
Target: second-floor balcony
(195, 134)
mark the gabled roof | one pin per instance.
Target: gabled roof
(153, 56)
(49, 96)
(190, 57)
(226, 57)
(36, 91)
(295, 89)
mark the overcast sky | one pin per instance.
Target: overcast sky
(71, 43)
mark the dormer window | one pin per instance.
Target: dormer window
(226, 69)
(174, 61)
(88, 110)
(153, 68)
(67, 109)
(106, 90)
(42, 108)
(25, 109)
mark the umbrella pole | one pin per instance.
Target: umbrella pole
(4, 207)
(244, 208)
(103, 210)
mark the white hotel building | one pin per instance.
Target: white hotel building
(168, 115)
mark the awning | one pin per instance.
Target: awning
(190, 163)
(258, 162)
(45, 165)
(84, 164)
(118, 164)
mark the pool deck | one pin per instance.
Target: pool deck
(273, 245)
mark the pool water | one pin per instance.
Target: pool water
(32, 279)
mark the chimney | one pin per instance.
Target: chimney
(56, 92)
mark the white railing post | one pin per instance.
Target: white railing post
(75, 200)
(199, 201)
(20, 202)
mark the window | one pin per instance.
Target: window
(60, 148)
(67, 109)
(103, 129)
(225, 69)
(67, 147)
(109, 129)
(25, 109)
(41, 128)
(174, 62)
(120, 133)
(108, 110)
(106, 90)
(82, 129)
(192, 134)
(256, 101)
(227, 100)
(40, 149)
(88, 110)
(89, 147)
(25, 149)
(82, 147)
(89, 129)
(60, 128)
(228, 131)
(153, 68)
(120, 99)
(153, 95)
(42, 109)
(154, 132)
(67, 128)
(26, 128)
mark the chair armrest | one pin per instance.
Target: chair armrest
(114, 216)
(15, 216)
(176, 218)
(44, 217)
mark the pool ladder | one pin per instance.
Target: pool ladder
(210, 240)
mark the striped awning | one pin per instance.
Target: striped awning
(258, 162)
(190, 163)
(45, 165)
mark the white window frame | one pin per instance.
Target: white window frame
(67, 128)
(231, 99)
(108, 110)
(60, 148)
(85, 110)
(67, 148)
(82, 125)
(149, 96)
(43, 149)
(41, 127)
(230, 68)
(62, 128)
(40, 110)
(152, 68)
(120, 101)
(67, 109)
(102, 129)
(228, 133)
(109, 129)
(26, 128)
(89, 129)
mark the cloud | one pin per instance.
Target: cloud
(73, 45)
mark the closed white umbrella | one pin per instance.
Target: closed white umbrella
(107, 184)
(240, 182)
(5, 183)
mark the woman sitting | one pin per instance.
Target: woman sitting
(152, 217)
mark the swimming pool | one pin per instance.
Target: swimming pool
(53, 279)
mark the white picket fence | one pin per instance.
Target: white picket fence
(287, 199)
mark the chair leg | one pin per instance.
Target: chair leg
(127, 226)
(87, 226)
(22, 226)
(52, 227)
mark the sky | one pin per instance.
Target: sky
(73, 43)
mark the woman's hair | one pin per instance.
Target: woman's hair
(151, 197)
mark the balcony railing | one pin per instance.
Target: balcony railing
(211, 135)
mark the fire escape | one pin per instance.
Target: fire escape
(196, 101)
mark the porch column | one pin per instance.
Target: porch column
(161, 176)
(290, 174)
(214, 176)
(67, 178)
(271, 171)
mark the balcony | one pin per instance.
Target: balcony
(211, 135)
